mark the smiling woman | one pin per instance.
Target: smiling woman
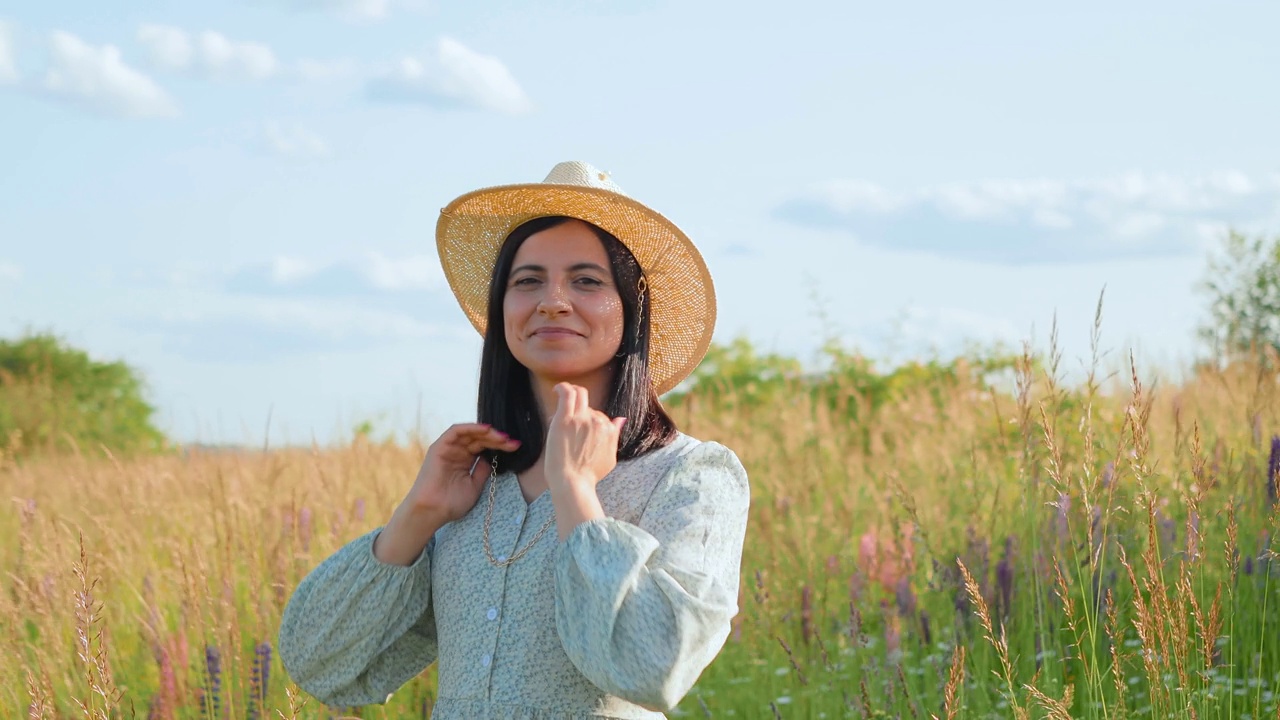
(590, 304)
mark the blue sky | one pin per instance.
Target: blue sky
(239, 198)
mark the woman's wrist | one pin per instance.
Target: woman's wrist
(406, 535)
(575, 503)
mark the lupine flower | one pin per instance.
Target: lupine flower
(258, 678)
(263, 652)
(1061, 526)
(165, 701)
(905, 598)
(213, 664)
(304, 528)
(1273, 468)
(359, 511)
(806, 613)
(1168, 532)
(1004, 577)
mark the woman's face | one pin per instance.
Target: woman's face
(561, 310)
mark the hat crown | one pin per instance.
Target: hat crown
(581, 174)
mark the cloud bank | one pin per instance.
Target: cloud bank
(373, 274)
(454, 77)
(293, 142)
(8, 65)
(209, 55)
(97, 78)
(1018, 222)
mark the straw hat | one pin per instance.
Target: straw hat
(682, 299)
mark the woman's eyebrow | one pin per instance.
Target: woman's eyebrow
(572, 268)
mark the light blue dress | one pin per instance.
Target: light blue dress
(616, 621)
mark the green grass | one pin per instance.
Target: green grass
(1101, 524)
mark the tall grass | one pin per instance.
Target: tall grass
(1014, 549)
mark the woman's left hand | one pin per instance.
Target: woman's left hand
(582, 443)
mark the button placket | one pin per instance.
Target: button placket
(508, 493)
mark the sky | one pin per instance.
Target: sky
(239, 198)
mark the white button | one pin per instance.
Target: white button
(485, 660)
(502, 558)
(492, 614)
(517, 521)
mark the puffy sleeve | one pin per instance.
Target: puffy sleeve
(356, 628)
(642, 610)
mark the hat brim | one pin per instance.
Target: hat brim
(472, 228)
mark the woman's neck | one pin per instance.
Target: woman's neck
(544, 390)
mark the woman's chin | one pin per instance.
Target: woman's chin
(563, 372)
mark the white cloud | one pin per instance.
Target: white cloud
(98, 78)
(1041, 220)
(168, 48)
(10, 271)
(416, 272)
(210, 54)
(372, 274)
(353, 9)
(454, 77)
(293, 141)
(8, 66)
(269, 328)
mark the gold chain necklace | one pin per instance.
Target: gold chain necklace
(488, 519)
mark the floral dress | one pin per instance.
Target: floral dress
(618, 620)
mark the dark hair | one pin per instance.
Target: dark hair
(506, 400)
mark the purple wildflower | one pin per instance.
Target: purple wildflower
(258, 679)
(1061, 526)
(1004, 577)
(806, 613)
(1273, 468)
(359, 511)
(304, 528)
(213, 665)
(905, 598)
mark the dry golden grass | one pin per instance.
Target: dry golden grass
(850, 580)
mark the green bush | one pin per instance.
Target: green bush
(55, 398)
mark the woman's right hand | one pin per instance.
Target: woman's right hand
(446, 487)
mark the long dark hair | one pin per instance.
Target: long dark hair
(506, 400)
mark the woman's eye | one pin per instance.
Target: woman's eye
(525, 281)
(589, 281)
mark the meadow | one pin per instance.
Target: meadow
(957, 540)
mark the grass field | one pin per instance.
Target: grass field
(965, 551)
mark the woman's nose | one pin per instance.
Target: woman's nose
(554, 302)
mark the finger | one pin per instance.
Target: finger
(507, 444)
(580, 403)
(618, 422)
(564, 400)
(465, 429)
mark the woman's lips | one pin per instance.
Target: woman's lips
(554, 332)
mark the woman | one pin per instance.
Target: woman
(590, 305)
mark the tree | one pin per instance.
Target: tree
(55, 397)
(1243, 284)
